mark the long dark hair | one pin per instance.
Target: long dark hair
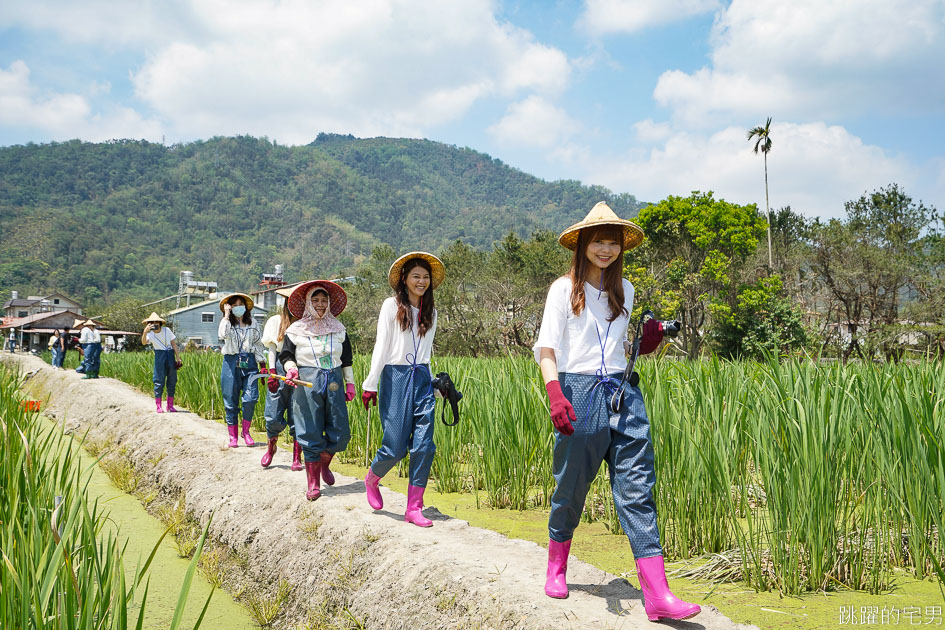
(247, 317)
(403, 298)
(613, 275)
(285, 320)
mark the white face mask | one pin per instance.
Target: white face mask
(239, 310)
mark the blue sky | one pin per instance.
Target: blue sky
(647, 97)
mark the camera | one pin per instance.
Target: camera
(443, 384)
(671, 328)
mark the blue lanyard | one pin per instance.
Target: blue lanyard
(607, 384)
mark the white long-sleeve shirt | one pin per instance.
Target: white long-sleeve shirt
(393, 344)
(90, 335)
(241, 339)
(576, 339)
(270, 339)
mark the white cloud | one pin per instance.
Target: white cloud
(814, 168)
(64, 116)
(534, 122)
(628, 16)
(648, 131)
(391, 67)
(815, 60)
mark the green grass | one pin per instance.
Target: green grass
(808, 477)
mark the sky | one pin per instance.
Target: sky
(648, 97)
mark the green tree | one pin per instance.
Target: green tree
(762, 137)
(762, 322)
(697, 250)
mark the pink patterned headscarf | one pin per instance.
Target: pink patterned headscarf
(310, 324)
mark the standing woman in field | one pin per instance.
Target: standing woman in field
(57, 345)
(581, 352)
(91, 341)
(242, 353)
(400, 364)
(279, 394)
(316, 349)
(166, 359)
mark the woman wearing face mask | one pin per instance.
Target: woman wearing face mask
(400, 365)
(242, 353)
(580, 351)
(166, 359)
(316, 349)
(279, 394)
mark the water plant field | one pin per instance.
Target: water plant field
(789, 476)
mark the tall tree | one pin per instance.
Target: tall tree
(762, 137)
(697, 249)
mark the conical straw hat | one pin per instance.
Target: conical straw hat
(248, 301)
(154, 317)
(436, 267)
(337, 297)
(601, 214)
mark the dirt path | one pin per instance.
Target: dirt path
(346, 563)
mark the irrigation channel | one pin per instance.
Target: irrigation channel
(333, 562)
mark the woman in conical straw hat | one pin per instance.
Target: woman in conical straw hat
(400, 372)
(316, 349)
(279, 395)
(166, 358)
(91, 340)
(243, 357)
(580, 349)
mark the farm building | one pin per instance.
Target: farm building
(197, 324)
(52, 303)
(33, 332)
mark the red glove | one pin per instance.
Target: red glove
(349, 392)
(562, 413)
(272, 384)
(367, 398)
(262, 368)
(178, 364)
(291, 374)
(652, 336)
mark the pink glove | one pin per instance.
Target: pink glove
(562, 413)
(291, 374)
(350, 393)
(367, 398)
(652, 336)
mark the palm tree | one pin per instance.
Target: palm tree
(763, 142)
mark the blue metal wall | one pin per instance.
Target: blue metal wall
(187, 324)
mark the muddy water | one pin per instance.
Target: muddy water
(142, 531)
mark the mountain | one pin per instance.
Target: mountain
(102, 221)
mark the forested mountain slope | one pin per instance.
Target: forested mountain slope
(101, 221)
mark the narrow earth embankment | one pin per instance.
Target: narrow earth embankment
(347, 565)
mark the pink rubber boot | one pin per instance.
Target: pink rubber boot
(170, 404)
(556, 584)
(232, 430)
(326, 474)
(312, 475)
(247, 438)
(414, 505)
(270, 451)
(374, 498)
(296, 456)
(157, 403)
(658, 601)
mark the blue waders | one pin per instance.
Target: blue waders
(279, 407)
(407, 413)
(623, 441)
(84, 363)
(94, 354)
(320, 413)
(237, 395)
(165, 374)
